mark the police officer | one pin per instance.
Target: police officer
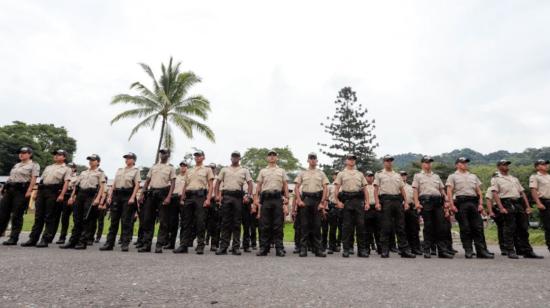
(465, 187)
(431, 200)
(494, 213)
(372, 218)
(312, 199)
(412, 223)
(271, 200)
(196, 195)
(512, 202)
(390, 196)
(352, 196)
(334, 220)
(85, 199)
(231, 197)
(122, 203)
(175, 208)
(539, 183)
(16, 194)
(249, 222)
(51, 192)
(213, 218)
(66, 210)
(158, 189)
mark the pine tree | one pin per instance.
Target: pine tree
(351, 132)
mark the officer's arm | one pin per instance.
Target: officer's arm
(250, 186)
(497, 200)
(210, 187)
(416, 196)
(285, 189)
(479, 194)
(100, 193)
(489, 205)
(146, 184)
(535, 195)
(172, 185)
(325, 193)
(64, 189)
(297, 194)
(134, 192)
(450, 189)
(257, 194)
(31, 185)
(525, 200)
(336, 193)
(366, 193)
(376, 192)
(404, 194)
(217, 188)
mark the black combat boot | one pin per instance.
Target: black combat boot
(363, 253)
(80, 246)
(345, 253)
(221, 252)
(280, 252)
(407, 254)
(199, 250)
(263, 252)
(483, 254)
(236, 252)
(69, 245)
(124, 247)
(29, 243)
(532, 255)
(512, 255)
(181, 249)
(106, 247)
(468, 254)
(385, 253)
(61, 240)
(320, 254)
(42, 244)
(303, 252)
(145, 248)
(158, 249)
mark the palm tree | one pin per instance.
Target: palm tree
(168, 103)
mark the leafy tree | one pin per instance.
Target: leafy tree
(255, 159)
(42, 138)
(351, 132)
(167, 102)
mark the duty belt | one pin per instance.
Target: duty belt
(17, 185)
(196, 193)
(233, 193)
(50, 186)
(388, 197)
(274, 194)
(316, 195)
(88, 191)
(123, 190)
(461, 199)
(430, 199)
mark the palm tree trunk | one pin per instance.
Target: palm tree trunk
(160, 139)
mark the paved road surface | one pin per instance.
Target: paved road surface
(55, 277)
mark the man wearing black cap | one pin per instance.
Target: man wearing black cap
(494, 212)
(196, 198)
(539, 183)
(430, 199)
(352, 196)
(213, 216)
(334, 220)
(122, 203)
(176, 209)
(465, 187)
(372, 218)
(311, 198)
(51, 192)
(16, 194)
(272, 196)
(412, 223)
(85, 199)
(231, 197)
(158, 189)
(512, 202)
(64, 214)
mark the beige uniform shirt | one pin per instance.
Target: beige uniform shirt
(388, 182)
(272, 178)
(427, 184)
(409, 193)
(90, 179)
(311, 180)
(370, 189)
(507, 186)
(234, 178)
(197, 178)
(23, 172)
(161, 175)
(180, 182)
(56, 174)
(464, 184)
(542, 183)
(331, 193)
(489, 194)
(351, 180)
(72, 181)
(127, 177)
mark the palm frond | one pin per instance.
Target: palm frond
(149, 72)
(196, 105)
(148, 122)
(133, 113)
(190, 124)
(134, 99)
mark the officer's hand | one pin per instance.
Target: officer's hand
(492, 214)
(480, 208)
(95, 203)
(166, 201)
(367, 206)
(60, 198)
(406, 206)
(218, 198)
(377, 206)
(454, 209)
(206, 203)
(141, 198)
(246, 200)
(503, 210)
(418, 206)
(528, 210)
(300, 203)
(339, 205)
(285, 200)
(71, 201)
(110, 200)
(28, 194)
(131, 201)
(541, 206)
(285, 210)
(254, 208)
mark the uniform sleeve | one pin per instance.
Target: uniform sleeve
(298, 179)
(401, 183)
(494, 185)
(150, 173)
(260, 178)
(363, 181)
(210, 175)
(247, 175)
(285, 177)
(520, 187)
(67, 175)
(415, 182)
(221, 175)
(489, 193)
(338, 179)
(376, 179)
(441, 185)
(325, 179)
(172, 173)
(35, 169)
(137, 177)
(478, 181)
(450, 181)
(533, 183)
(101, 177)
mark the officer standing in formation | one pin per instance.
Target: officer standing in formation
(122, 201)
(352, 196)
(334, 220)
(230, 196)
(85, 199)
(412, 223)
(390, 196)
(196, 198)
(67, 210)
(158, 189)
(512, 202)
(494, 212)
(176, 209)
(271, 202)
(311, 198)
(372, 218)
(539, 183)
(17, 192)
(51, 192)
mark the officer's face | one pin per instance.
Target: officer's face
(272, 158)
(24, 156)
(503, 168)
(93, 163)
(542, 168)
(427, 166)
(235, 159)
(164, 156)
(370, 179)
(130, 161)
(58, 158)
(350, 162)
(388, 164)
(404, 178)
(312, 161)
(462, 166)
(183, 169)
(199, 159)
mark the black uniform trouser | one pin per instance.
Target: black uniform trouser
(121, 213)
(372, 227)
(173, 220)
(335, 222)
(324, 231)
(96, 226)
(194, 214)
(515, 229)
(435, 227)
(545, 218)
(13, 207)
(271, 223)
(246, 218)
(297, 231)
(46, 207)
(498, 219)
(213, 223)
(310, 224)
(65, 215)
(84, 215)
(231, 217)
(471, 225)
(152, 206)
(412, 227)
(393, 220)
(353, 222)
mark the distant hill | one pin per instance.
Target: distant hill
(526, 157)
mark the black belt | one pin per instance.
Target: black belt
(196, 193)
(315, 195)
(271, 194)
(513, 200)
(17, 185)
(50, 186)
(430, 199)
(544, 200)
(388, 197)
(123, 190)
(233, 193)
(461, 199)
(88, 191)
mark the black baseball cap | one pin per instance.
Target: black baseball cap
(387, 158)
(235, 154)
(426, 159)
(312, 155)
(403, 172)
(164, 151)
(462, 160)
(94, 157)
(183, 163)
(25, 150)
(130, 155)
(198, 153)
(71, 165)
(60, 152)
(503, 162)
(351, 156)
(542, 162)
(369, 173)
(212, 165)
(272, 152)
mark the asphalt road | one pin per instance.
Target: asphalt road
(55, 277)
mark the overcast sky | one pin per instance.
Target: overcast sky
(436, 75)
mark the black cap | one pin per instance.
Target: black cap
(542, 162)
(71, 165)
(60, 152)
(235, 154)
(25, 150)
(130, 155)
(94, 157)
(387, 157)
(351, 156)
(312, 155)
(369, 173)
(503, 162)
(183, 163)
(212, 165)
(403, 172)
(496, 174)
(426, 159)
(272, 152)
(164, 151)
(462, 160)
(198, 153)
